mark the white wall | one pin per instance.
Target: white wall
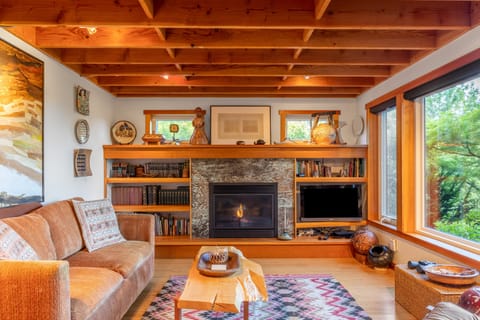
(60, 117)
(465, 44)
(132, 109)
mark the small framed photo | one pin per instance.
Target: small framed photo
(82, 101)
(239, 124)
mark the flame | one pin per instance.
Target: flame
(240, 211)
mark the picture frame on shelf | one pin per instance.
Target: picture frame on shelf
(231, 124)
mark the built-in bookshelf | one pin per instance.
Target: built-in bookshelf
(156, 179)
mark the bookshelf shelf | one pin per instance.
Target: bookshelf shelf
(152, 208)
(145, 180)
(332, 179)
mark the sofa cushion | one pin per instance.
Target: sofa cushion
(449, 311)
(98, 223)
(12, 246)
(40, 240)
(64, 227)
(123, 258)
(90, 288)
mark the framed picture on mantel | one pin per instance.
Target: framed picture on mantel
(239, 124)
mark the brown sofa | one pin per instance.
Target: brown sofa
(68, 282)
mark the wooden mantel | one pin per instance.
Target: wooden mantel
(281, 151)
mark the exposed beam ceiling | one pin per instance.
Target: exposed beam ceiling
(238, 48)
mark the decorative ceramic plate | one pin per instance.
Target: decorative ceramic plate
(451, 274)
(123, 132)
(207, 268)
(82, 131)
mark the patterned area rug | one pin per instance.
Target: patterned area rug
(299, 297)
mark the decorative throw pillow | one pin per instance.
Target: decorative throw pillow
(98, 222)
(14, 247)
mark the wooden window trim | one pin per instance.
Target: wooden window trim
(149, 114)
(285, 113)
(406, 213)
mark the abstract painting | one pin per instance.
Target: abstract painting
(21, 126)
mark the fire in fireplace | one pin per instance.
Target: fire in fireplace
(243, 210)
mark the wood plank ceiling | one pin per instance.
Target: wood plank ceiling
(260, 48)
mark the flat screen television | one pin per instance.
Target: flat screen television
(331, 202)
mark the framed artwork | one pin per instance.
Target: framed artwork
(21, 127)
(239, 124)
(82, 101)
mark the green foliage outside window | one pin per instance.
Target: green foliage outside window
(452, 164)
(184, 133)
(299, 130)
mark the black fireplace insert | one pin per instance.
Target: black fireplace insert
(243, 210)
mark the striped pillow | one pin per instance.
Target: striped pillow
(14, 247)
(98, 223)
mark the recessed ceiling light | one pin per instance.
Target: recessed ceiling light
(307, 77)
(165, 76)
(90, 30)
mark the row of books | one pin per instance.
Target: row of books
(170, 225)
(354, 167)
(150, 169)
(150, 195)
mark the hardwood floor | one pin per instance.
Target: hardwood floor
(372, 289)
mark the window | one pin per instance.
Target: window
(388, 165)
(160, 121)
(449, 121)
(296, 125)
(162, 124)
(299, 127)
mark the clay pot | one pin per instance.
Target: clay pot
(380, 256)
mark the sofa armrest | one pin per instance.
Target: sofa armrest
(137, 227)
(34, 290)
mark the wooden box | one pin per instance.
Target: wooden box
(415, 292)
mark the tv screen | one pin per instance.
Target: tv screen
(331, 202)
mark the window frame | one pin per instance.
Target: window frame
(285, 113)
(407, 201)
(152, 115)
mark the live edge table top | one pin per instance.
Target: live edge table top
(225, 294)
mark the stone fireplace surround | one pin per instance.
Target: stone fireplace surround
(206, 171)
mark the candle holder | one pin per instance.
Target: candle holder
(285, 235)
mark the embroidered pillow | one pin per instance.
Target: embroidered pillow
(14, 247)
(98, 222)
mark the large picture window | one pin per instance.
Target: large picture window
(450, 120)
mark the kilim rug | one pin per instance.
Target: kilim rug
(294, 297)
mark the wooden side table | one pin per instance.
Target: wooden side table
(415, 292)
(225, 294)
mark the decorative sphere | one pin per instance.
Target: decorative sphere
(470, 300)
(380, 256)
(363, 240)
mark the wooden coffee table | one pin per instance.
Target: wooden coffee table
(224, 294)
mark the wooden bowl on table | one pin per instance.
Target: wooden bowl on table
(451, 274)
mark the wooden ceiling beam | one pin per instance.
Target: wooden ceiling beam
(228, 39)
(249, 90)
(227, 70)
(285, 14)
(148, 7)
(240, 57)
(109, 81)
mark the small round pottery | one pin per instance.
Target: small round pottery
(362, 240)
(470, 300)
(380, 256)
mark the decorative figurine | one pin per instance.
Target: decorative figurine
(198, 135)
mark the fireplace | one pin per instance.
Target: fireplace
(243, 210)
